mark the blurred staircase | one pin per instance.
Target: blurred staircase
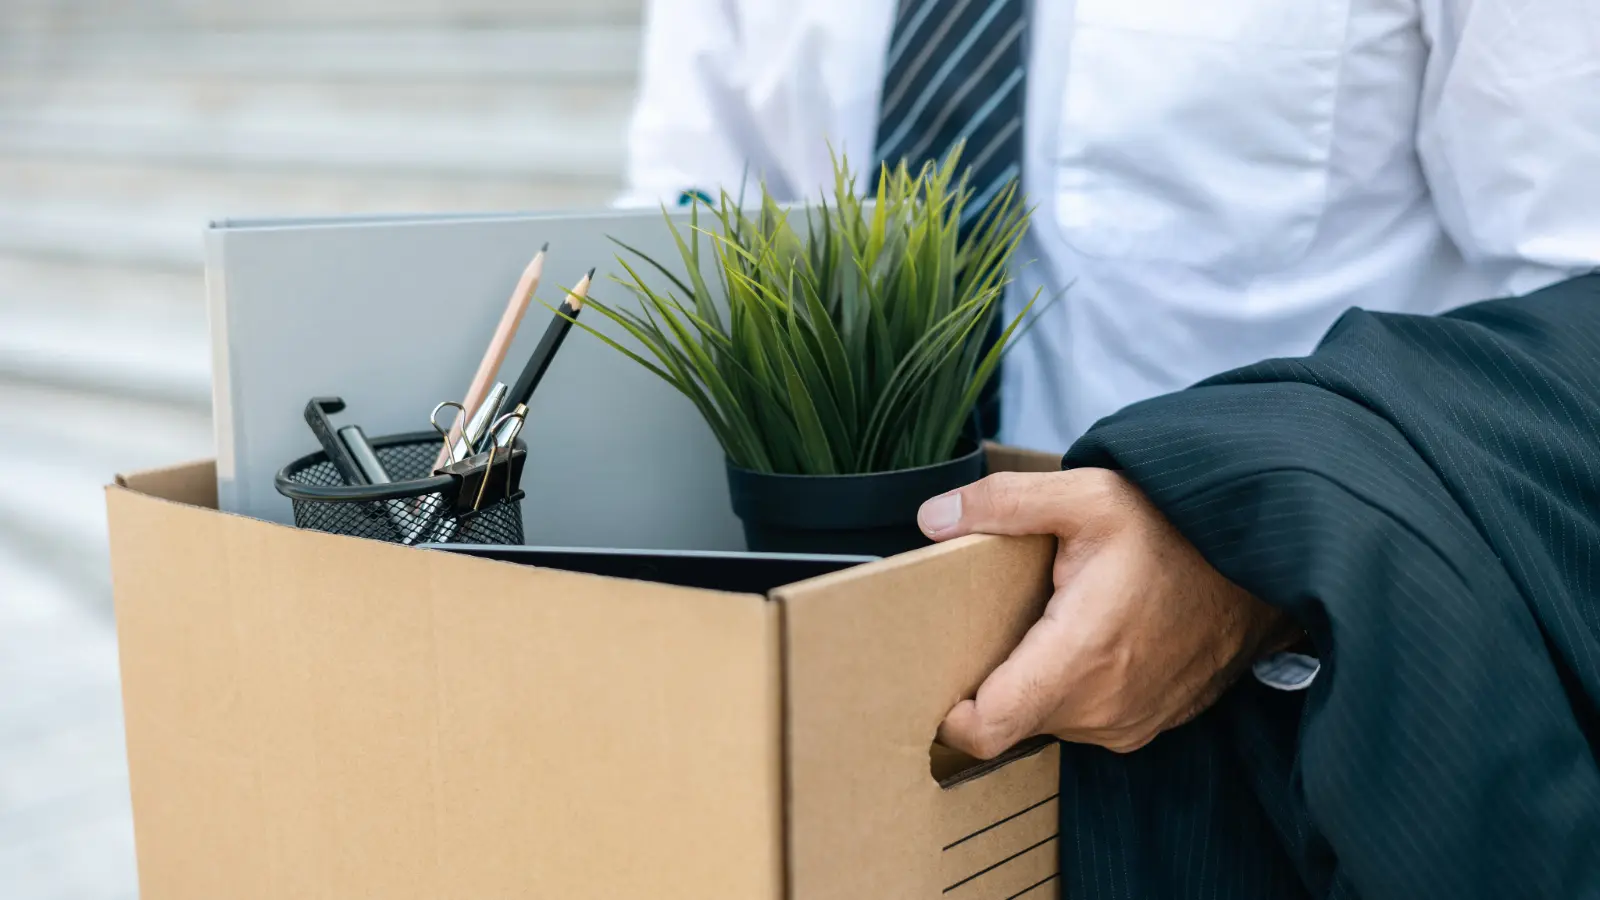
(124, 128)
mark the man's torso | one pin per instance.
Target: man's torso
(1214, 184)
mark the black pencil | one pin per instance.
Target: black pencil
(545, 353)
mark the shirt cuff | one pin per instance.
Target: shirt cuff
(1287, 671)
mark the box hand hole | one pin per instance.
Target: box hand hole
(950, 767)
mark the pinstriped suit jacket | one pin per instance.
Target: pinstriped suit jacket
(1423, 495)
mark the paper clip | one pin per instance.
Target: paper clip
(461, 419)
(504, 431)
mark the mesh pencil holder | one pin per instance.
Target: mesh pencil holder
(417, 507)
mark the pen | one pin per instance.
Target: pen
(360, 449)
(478, 425)
(366, 459)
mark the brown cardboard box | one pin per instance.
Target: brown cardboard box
(312, 716)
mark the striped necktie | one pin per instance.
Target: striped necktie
(956, 75)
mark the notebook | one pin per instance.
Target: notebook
(392, 313)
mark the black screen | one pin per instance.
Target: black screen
(745, 573)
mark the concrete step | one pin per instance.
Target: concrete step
(62, 450)
(65, 826)
(102, 370)
(99, 436)
(118, 332)
(174, 14)
(584, 54)
(147, 214)
(459, 127)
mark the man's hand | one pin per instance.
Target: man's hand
(1141, 635)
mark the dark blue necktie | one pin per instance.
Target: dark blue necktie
(956, 74)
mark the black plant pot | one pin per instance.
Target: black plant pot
(873, 515)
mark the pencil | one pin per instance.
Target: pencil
(554, 334)
(527, 285)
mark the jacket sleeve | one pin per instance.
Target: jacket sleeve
(1423, 495)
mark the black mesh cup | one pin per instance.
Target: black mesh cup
(417, 507)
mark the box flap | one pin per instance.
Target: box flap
(875, 657)
(192, 484)
(1004, 458)
(317, 716)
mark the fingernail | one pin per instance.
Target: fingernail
(940, 514)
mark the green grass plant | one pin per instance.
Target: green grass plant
(852, 336)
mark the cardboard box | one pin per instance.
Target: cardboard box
(312, 716)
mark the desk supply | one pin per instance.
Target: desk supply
(392, 313)
(526, 287)
(554, 334)
(483, 434)
(317, 411)
(473, 501)
(459, 446)
(510, 425)
(466, 442)
(366, 459)
(439, 515)
(485, 478)
(355, 440)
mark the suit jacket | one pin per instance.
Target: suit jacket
(1423, 495)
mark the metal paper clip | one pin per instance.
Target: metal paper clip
(432, 506)
(509, 426)
(461, 418)
(505, 432)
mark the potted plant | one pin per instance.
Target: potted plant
(841, 364)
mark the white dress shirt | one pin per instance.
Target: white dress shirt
(1216, 182)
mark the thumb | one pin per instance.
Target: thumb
(1017, 698)
(1012, 503)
